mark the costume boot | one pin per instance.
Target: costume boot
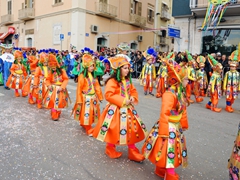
(171, 176)
(190, 101)
(160, 171)
(158, 95)
(111, 151)
(229, 109)
(30, 99)
(215, 109)
(24, 94)
(209, 105)
(54, 114)
(59, 113)
(87, 128)
(39, 104)
(202, 93)
(17, 93)
(135, 155)
(199, 99)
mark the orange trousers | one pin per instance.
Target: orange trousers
(161, 87)
(147, 86)
(230, 99)
(214, 98)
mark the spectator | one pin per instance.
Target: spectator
(225, 64)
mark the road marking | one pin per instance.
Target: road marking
(2, 94)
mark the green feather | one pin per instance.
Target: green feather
(118, 75)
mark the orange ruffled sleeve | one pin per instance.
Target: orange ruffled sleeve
(80, 88)
(184, 119)
(65, 79)
(98, 90)
(38, 73)
(168, 99)
(112, 93)
(134, 93)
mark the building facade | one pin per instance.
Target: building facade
(91, 23)
(189, 16)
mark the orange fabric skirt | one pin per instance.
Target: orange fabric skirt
(109, 129)
(28, 86)
(15, 82)
(56, 99)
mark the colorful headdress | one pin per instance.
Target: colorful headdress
(149, 54)
(33, 62)
(6, 46)
(123, 47)
(214, 63)
(52, 61)
(18, 54)
(235, 57)
(201, 61)
(189, 56)
(117, 62)
(43, 57)
(87, 60)
(175, 72)
(171, 56)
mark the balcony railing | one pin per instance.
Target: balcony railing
(7, 19)
(106, 10)
(204, 3)
(138, 20)
(165, 15)
(26, 14)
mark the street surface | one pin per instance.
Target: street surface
(33, 147)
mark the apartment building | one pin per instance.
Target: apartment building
(163, 18)
(91, 23)
(189, 16)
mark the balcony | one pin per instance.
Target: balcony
(106, 10)
(162, 40)
(26, 14)
(199, 7)
(137, 20)
(7, 19)
(165, 15)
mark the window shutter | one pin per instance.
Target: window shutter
(139, 9)
(131, 7)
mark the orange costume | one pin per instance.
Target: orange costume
(18, 74)
(28, 86)
(119, 124)
(161, 80)
(165, 145)
(89, 93)
(40, 76)
(56, 96)
(215, 85)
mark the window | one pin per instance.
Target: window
(136, 7)
(150, 15)
(57, 1)
(133, 45)
(103, 1)
(29, 42)
(101, 42)
(28, 4)
(9, 6)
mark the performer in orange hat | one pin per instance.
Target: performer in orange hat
(119, 124)
(18, 74)
(56, 96)
(40, 76)
(231, 84)
(165, 145)
(89, 93)
(215, 85)
(29, 84)
(201, 75)
(161, 80)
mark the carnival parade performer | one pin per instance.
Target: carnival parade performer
(6, 60)
(119, 124)
(231, 83)
(215, 85)
(40, 76)
(201, 75)
(192, 80)
(89, 93)
(56, 96)
(148, 74)
(18, 74)
(165, 145)
(77, 67)
(28, 87)
(162, 80)
(99, 70)
(233, 162)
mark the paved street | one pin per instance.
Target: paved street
(33, 147)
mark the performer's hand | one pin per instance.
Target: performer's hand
(128, 102)
(35, 87)
(132, 99)
(60, 89)
(50, 88)
(101, 101)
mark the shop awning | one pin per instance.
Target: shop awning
(3, 36)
